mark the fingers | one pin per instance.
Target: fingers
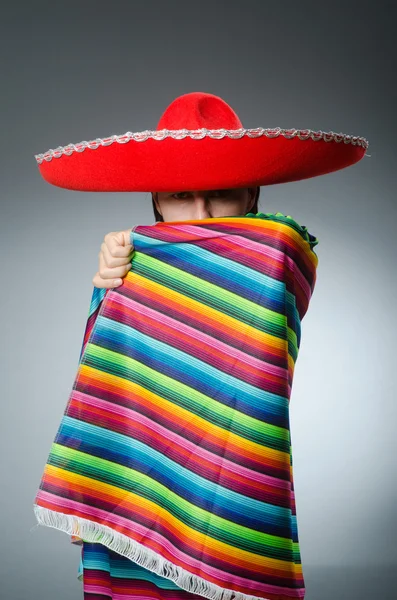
(115, 259)
(110, 260)
(118, 243)
(105, 283)
(108, 277)
(120, 268)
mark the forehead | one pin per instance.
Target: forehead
(198, 191)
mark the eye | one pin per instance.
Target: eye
(219, 193)
(215, 193)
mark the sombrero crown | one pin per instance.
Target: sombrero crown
(200, 143)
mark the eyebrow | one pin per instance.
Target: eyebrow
(214, 190)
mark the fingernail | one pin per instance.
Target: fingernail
(117, 281)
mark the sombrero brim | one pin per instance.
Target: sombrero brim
(165, 160)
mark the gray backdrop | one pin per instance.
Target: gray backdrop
(79, 70)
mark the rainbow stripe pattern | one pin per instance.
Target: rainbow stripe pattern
(174, 450)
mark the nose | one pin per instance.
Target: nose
(201, 205)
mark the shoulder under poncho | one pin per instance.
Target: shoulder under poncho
(174, 449)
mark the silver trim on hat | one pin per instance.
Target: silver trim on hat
(198, 134)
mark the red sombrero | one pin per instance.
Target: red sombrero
(199, 143)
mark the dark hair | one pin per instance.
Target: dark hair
(158, 217)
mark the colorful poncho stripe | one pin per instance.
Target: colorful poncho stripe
(174, 449)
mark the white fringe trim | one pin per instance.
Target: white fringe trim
(93, 532)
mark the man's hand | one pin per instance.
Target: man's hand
(114, 259)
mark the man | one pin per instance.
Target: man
(174, 454)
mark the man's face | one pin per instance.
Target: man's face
(204, 204)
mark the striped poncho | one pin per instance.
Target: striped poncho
(174, 449)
